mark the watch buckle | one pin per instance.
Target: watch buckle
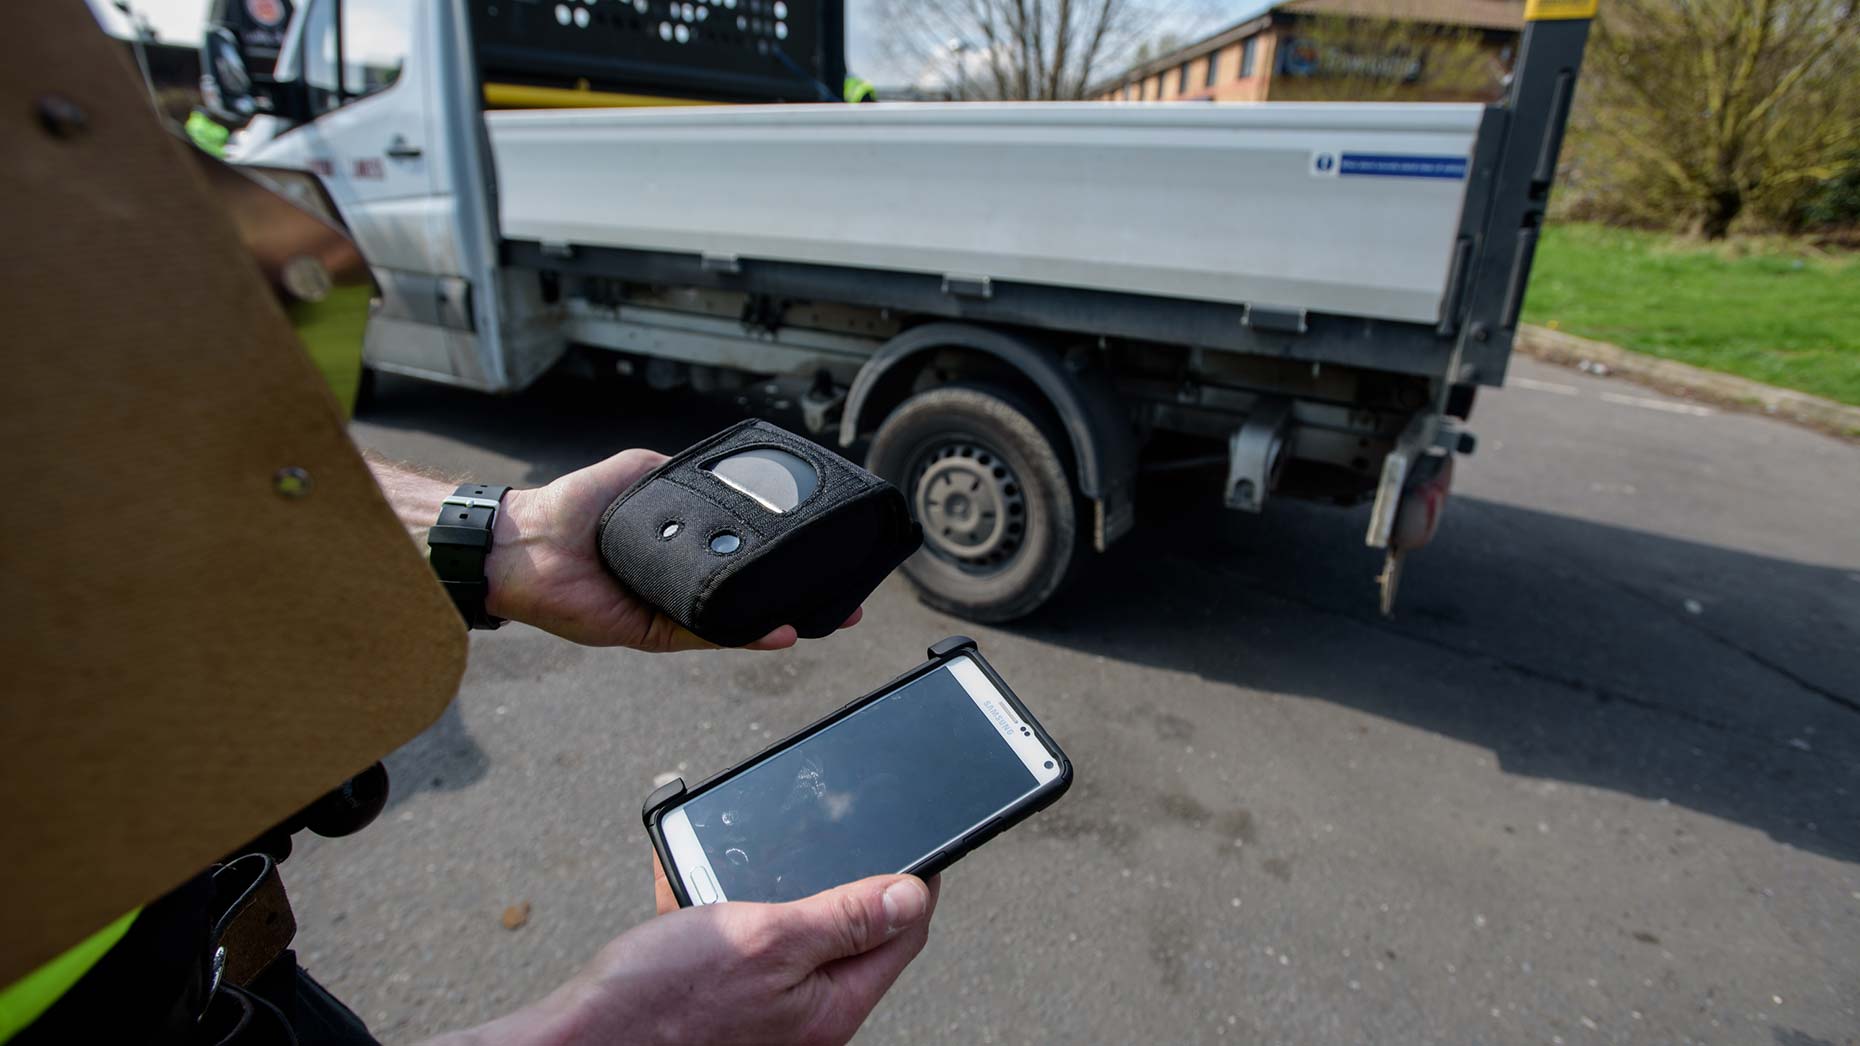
(463, 502)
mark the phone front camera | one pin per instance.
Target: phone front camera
(1049, 764)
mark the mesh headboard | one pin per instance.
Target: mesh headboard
(718, 50)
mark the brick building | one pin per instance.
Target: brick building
(1304, 49)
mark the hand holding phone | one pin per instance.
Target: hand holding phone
(808, 971)
(908, 779)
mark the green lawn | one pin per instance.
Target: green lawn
(1757, 309)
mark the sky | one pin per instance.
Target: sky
(175, 21)
(179, 21)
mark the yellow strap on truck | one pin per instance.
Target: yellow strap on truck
(524, 96)
(1558, 10)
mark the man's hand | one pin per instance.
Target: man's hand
(805, 972)
(543, 568)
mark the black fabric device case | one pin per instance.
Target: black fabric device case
(671, 794)
(809, 567)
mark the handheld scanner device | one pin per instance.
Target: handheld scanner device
(755, 528)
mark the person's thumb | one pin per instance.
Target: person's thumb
(854, 919)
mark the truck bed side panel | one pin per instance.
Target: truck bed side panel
(1349, 209)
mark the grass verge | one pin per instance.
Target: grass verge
(1769, 310)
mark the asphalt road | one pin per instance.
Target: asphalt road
(1599, 781)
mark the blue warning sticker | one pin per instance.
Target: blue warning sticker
(1388, 165)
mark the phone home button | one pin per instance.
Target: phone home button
(702, 885)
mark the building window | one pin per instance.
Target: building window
(1214, 68)
(1247, 47)
(1181, 80)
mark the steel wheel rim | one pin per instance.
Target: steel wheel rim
(971, 504)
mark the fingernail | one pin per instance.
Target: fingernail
(905, 901)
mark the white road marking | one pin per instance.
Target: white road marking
(1689, 409)
(1692, 409)
(1544, 386)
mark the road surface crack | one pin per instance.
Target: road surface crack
(1837, 699)
(1595, 692)
(1762, 661)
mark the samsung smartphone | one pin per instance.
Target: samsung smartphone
(906, 779)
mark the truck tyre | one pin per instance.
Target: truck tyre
(983, 474)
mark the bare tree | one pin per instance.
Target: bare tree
(1156, 46)
(1698, 108)
(1026, 49)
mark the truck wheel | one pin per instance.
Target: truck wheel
(983, 474)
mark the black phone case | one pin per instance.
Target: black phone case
(674, 792)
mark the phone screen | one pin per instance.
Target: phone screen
(874, 793)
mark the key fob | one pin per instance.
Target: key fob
(755, 528)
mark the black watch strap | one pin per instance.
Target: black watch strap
(458, 545)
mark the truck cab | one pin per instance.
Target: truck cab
(378, 98)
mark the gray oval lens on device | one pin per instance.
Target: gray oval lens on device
(777, 479)
(725, 543)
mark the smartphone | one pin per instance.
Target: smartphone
(905, 779)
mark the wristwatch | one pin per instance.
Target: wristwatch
(458, 545)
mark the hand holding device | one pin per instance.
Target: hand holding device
(908, 778)
(544, 568)
(808, 971)
(755, 528)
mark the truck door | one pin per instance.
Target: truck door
(367, 133)
(374, 83)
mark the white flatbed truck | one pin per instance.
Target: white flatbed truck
(1009, 300)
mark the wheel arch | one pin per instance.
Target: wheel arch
(1099, 436)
